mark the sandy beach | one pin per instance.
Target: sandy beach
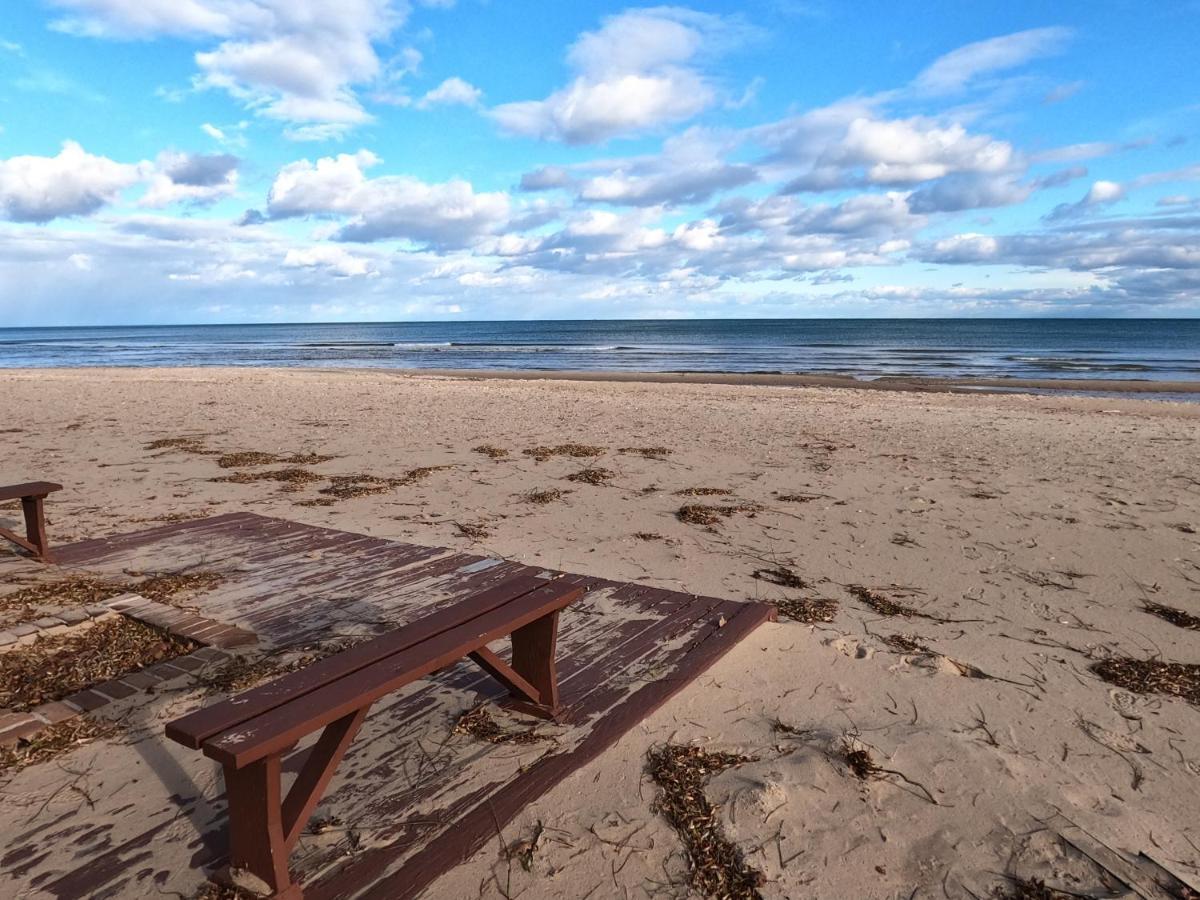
(981, 553)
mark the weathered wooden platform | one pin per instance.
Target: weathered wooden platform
(411, 800)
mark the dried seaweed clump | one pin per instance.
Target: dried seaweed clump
(882, 604)
(347, 487)
(905, 643)
(1173, 615)
(165, 587)
(73, 590)
(1151, 676)
(576, 451)
(718, 868)
(808, 612)
(541, 498)
(797, 498)
(186, 444)
(491, 452)
(703, 492)
(647, 535)
(703, 514)
(858, 759)
(289, 476)
(479, 724)
(54, 741)
(55, 667)
(592, 476)
(473, 530)
(780, 575)
(647, 452)
(258, 458)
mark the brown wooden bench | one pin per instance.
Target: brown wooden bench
(32, 496)
(250, 733)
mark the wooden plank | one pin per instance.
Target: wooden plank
(281, 727)
(193, 729)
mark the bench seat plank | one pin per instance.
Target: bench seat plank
(195, 728)
(29, 489)
(281, 728)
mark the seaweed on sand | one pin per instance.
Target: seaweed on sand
(54, 741)
(57, 666)
(186, 444)
(704, 514)
(291, 476)
(717, 867)
(808, 612)
(479, 724)
(703, 492)
(780, 575)
(247, 458)
(577, 451)
(1173, 615)
(1152, 676)
(592, 476)
(491, 452)
(541, 498)
(647, 452)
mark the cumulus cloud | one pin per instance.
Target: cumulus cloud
(847, 145)
(1099, 195)
(73, 183)
(297, 61)
(638, 71)
(400, 207)
(193, 178)
(959, 68)
(331, 259)
(452, 91)
(545, 178)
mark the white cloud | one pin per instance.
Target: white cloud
(958, 68)
(193, 178)
(450, 92)
(450, 214)
(297, 61)
(214, 132)
(73, 183)
(638, 71)
(1099, 195)
(331, 259)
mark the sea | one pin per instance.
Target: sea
(1146, 349)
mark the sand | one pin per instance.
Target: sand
(1023, 533)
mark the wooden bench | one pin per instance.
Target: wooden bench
(32, 496)
(250, 733)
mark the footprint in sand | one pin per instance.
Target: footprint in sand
(850, 647)
(1124, 704)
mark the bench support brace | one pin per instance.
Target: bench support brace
(35, 541)
(264, 826)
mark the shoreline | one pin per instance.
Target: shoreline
(913, 384)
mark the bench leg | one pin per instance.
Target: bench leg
(533, 650)
(263, 825)
(256, 841)
(35, 525)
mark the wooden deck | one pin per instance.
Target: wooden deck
(411, 800)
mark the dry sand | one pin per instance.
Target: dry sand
(1025, 533)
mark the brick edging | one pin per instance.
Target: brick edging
(215, 636)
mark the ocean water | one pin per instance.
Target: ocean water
(1150, 349)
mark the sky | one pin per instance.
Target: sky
(204, 161)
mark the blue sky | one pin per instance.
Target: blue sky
(321, 160)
